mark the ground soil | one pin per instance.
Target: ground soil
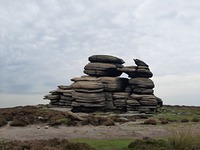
(119, 131)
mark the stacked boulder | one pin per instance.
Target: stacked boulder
(142, 98)
(88, 94)
(95, 91)
(61, 97)
(103, 65)
(113, 86)
(101, 89)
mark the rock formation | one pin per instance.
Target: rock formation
(61, 97)
(103, 90)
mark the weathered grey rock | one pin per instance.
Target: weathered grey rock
(113, 84)
(87, 84)
(60, 91)
(140, 73)
(69, 93)
(140, 62)
(106, 59)
(141, 82)
(114, 87)
(136, 96)
(109, 96)
(89, 90)
(64, 87)
(91, 105)
(128, 89)
(137, 71)
(102, 66)
(62, 101)
(75, 116)
(61, 104)
(95, 97)
(88, 109)
(66, 98)
(110, 105)
(68, 103)
(51, 97)
(90, 85)
(132, 102)
(142, 91)
(144, 71)
(113, 80)
(85, 78)
(54, 103)
(54, 92)
(140, 96)
(143, 67)
(159, 102)
(102, 69)
(147, 100)
(100, 73)
(121, 95)
(89, 100)
(55, 100)
(120, 102)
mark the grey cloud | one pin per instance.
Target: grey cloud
(45, 43)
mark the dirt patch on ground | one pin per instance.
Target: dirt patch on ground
(125, 130)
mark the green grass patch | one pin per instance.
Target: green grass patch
(150, 144)
(43, 110)
(179, 140)
(114, 144)
(183, 109)
(177, 113)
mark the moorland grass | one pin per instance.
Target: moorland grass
(178, 113)
(111, 144)
(178, 140)
(2, 122)
(185, 139)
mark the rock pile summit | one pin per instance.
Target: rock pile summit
(102, 88)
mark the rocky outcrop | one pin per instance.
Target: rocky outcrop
(61, 97)
(102, 88)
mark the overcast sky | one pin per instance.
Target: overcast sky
(45, 43)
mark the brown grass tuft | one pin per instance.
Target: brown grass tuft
(150, 121)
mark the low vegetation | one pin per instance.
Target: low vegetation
(107, 144)
(151, 121)
(150, 144)
(19, 122)
(2, 122)
(179, 140)
(164, 120)
(52, 144)
(179, 113)
(22, 116)
(185, 140)
(78, 146)
(195, 119)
